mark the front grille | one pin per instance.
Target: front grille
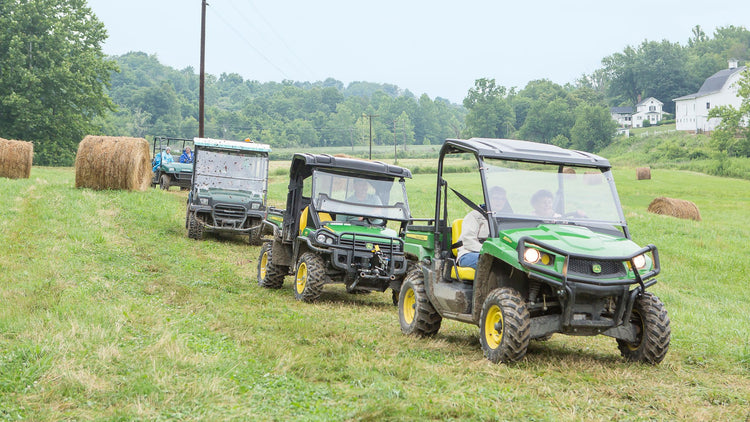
(229, 212)
(586, 267)
(362, 244)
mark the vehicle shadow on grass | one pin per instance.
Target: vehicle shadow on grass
(556, 351)
(336, 296)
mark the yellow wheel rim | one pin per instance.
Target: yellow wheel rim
(408, 306)
(301, 277)
(492, 335)
(263, 265)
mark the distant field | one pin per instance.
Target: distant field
(109, 312)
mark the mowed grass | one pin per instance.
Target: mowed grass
(109, 312)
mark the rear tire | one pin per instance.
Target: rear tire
(504, 326)
(654, 332)
(310, 277)
(164, 182)
(416, 314)
(270, 276)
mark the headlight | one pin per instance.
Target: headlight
(321, 238)
(171, 169)
(640, 262)
(203, 201)
(531, 255)
(255, 205)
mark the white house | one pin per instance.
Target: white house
(622, 115)
(691, 111)
(649, 109)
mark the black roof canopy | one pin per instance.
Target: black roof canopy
(511, 149)
(304, 163)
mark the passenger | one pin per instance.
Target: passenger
(187, 156)
(475, 229)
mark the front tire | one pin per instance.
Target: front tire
(195, 228)
(164, 182)
(310, 277)
(654, 332)
(416, 314)
(256, 236)
(504, 326)
(270, 276)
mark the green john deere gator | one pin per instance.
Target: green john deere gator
(343, 223)
(572, 270)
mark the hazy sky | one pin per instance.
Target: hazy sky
(435, 47)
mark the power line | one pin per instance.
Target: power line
(242, 37)
(283, 41)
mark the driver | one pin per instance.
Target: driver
(475, 229)
(360, 195)
(542, 202)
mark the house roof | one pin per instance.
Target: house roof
(621, 110)
(713, 84)
(647, 99)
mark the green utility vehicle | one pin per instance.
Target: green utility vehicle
(168, 170)
(343, 223)
(228, 193)
(567, 266)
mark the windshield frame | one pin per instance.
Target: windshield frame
(324, 202)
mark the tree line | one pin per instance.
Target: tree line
(154, 99)
(56, 86)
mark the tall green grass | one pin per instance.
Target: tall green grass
(109, 312)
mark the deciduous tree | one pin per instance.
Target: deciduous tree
(53, 75)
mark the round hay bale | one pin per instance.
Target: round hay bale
(593, 178)
(569, 170)
(679, 208)
(15, 159)
(109, 162)
(643, 173)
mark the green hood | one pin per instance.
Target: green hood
(575, 240)
(178, 166)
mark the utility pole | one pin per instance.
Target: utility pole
(370, 116)
(202, 87)
(395, 154)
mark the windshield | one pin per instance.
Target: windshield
(550, 192)
(359, 196)
(231, 170)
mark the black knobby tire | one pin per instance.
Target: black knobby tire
(504, 326)
(654, 332)
(416, 314)
(270, 276)
(164, 182)
(195, 228)
(309, 278)
(256, 236)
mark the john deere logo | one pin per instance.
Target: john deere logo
(596, 268)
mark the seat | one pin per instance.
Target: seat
(322, 217)
(461, 273)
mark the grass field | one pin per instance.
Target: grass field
(109, 312)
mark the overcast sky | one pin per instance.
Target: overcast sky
(435, 47)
